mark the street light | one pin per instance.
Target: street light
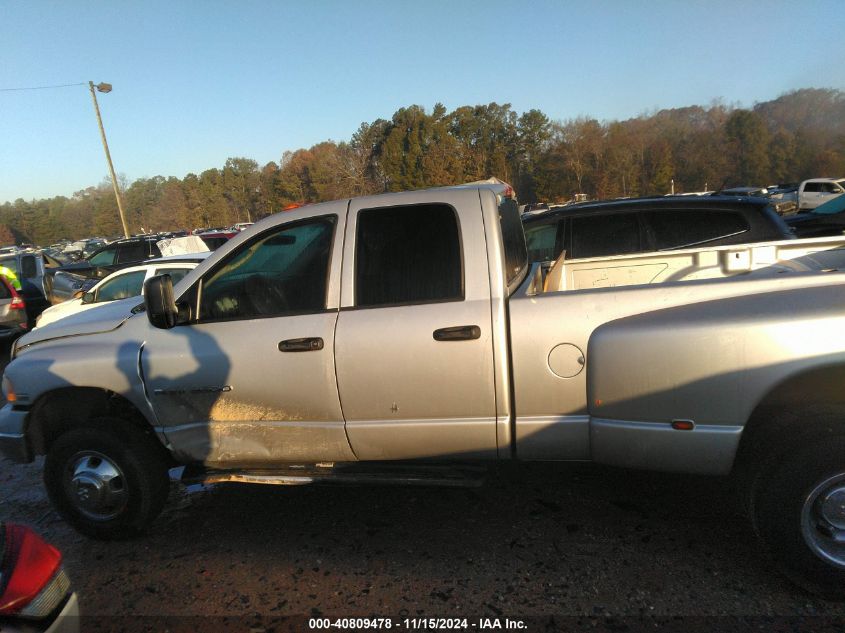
(104, 88)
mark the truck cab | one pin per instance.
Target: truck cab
(817, 191)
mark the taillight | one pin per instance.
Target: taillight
(17, 301)
(32, 581)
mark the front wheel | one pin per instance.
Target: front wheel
(106, 479)
(798, 511)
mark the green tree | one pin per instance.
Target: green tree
(240, 182)
(749, 145)
(214, 208)
(659, 168)
(533, 130)
(402, 151)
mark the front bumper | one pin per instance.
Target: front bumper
(65, 621)
(13, 444)
(68, 619)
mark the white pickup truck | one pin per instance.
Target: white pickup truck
(327, 341)
(812, 193)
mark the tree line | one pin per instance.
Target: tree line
(798, 135)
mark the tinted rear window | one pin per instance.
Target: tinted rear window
(408, 255)
(131, 252)
(605, 235)
(679, 229)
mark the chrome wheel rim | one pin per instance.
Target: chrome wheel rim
(823, 520)
(96, 486)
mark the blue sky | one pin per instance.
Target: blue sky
(198, 82)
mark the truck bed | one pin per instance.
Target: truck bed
(581, 309)
(759, 260)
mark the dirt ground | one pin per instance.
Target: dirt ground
(574, 542)
(557, 547)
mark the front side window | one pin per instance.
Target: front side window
(121, 287)
(605, 235)
(408, 255)
(281, 272)
(540, 240)
(104, 258)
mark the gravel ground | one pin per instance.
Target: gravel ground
(565, 541)
(559, 546)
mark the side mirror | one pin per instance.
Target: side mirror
(158, 300)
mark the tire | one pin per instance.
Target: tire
(798, 511)
(107, 479)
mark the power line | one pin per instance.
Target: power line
(41, 87)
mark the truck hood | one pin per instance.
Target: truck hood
(100, 319)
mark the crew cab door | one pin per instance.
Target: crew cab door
(414, 345)
(829, 191)
(809, 195)
(250, 379)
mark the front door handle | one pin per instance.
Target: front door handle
(301, 345)
(458, 333)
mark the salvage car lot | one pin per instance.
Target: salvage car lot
(570, 541)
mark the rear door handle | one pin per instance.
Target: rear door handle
(301, 345)
(458, 333)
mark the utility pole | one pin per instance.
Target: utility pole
(103, 87)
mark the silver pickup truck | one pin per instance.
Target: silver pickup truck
(332, 340)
